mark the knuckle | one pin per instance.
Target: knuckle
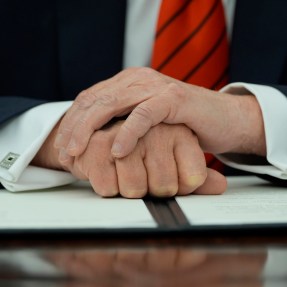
(66, 126)
(163, 190)
(192, 182)
(163, 138)
(134, 192)
(85, 99)
(142, 113)
(66, 129)
(82, 122)
(106, 100)
(144, 71)
(103, 182)
(129, 130)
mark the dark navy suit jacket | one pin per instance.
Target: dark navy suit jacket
(50, 50)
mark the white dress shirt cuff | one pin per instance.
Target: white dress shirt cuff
(274, 110)
(20, 140)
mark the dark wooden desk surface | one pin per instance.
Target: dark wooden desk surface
(179, 261)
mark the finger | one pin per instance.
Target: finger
(102, 174)
(190, 163)
(113, 97)
(132, 176)
(108, 103)
(99, 113)
(65, 160)
(142, 118)
(66, 126)
(104, 181)
(161, 170)
(82, 102)
(215, 183)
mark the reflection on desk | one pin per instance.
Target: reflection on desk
(144, 266)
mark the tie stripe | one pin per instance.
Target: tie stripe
(195, 21)
(191, 45)
(166, 23)
(208, 61)
(196, 48)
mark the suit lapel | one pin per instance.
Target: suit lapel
(90, 42)
(259, 42)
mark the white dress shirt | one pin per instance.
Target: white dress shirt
(18, 137)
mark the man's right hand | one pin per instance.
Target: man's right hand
(167, 161)
(223, 123)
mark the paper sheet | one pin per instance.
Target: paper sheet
(74, 206)
(248, 200)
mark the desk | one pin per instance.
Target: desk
(201, 259)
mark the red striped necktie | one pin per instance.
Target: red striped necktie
(191, 45)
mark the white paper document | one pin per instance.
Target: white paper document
(74, 206)
(248, 200)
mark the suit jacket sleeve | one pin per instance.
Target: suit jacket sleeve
(282, 89)
(12, 106)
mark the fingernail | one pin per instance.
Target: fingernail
(58, 140)
(196, 180)
(72, 145)
(63, 156)
(116, 149)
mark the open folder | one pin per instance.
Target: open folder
(249, 203)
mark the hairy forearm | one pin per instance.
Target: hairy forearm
(225, 122)
(251, 131)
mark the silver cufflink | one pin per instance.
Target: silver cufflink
(9, 160)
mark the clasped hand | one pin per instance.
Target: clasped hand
(167, 161)
(141, 155)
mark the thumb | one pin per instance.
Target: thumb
(214, 184)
